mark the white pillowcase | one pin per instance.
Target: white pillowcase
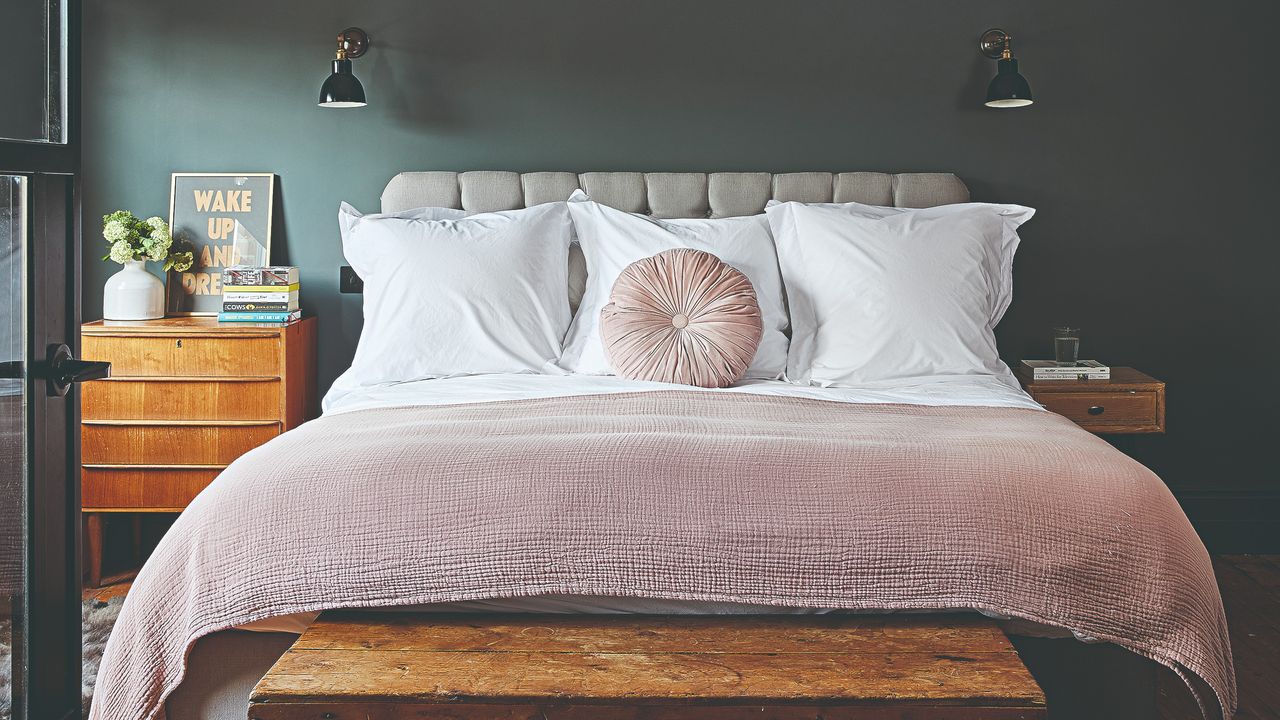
(467, 295)
(420, 213)
(882, 295)
(612, 239)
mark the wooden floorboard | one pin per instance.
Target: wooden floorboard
(1250, 587)
(1264, 569)
(107, 592)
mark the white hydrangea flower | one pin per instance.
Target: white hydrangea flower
(161, 242)
(158, 224)
(121, 252)
(115, 231)
(181, 262)
(157, 253)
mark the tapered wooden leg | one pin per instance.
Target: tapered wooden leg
(93, 561)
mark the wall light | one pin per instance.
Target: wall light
(1008, 89)
(342, 89)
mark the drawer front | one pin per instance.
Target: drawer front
(103, 444)
(1099, 411)
(142, 488)
(150, 356)
(181, 400)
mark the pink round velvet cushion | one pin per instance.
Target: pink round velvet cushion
(681, 316)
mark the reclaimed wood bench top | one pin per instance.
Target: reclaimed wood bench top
(549, 667)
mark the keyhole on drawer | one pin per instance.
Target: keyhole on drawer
(179, 343)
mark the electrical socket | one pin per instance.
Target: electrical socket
(349, 281)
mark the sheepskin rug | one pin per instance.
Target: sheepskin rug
(97, 619)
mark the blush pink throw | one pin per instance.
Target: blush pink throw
(681, 316)
(687, 495)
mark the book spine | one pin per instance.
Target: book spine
(260, 288)
(258, 316)
(269, 280)
(1077, 376)
(248, 297)
(259, 306)
(1071, 372)
(274, 275)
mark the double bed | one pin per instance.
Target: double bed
(599, 494)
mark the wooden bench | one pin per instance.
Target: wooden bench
(370, 666)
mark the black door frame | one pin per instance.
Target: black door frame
(51, 638)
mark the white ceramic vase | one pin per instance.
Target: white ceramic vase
(133, 294)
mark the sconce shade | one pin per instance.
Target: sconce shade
(1008, 89)
(342, 89)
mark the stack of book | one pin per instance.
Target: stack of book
(1079, 370)
(260, 294)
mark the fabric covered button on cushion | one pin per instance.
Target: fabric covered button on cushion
(682, 316)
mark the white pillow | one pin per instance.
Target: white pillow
(881, 295)
(577, 268)
(1014, 216)
(418, 213)
(465, 296)
(612, 239)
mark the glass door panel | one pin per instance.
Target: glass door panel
(39, 314)
(35, 87)
(13, 461)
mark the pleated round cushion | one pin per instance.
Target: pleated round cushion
(681, 316)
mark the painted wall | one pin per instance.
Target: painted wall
(1149, 155)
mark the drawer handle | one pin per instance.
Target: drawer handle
(1096, 409)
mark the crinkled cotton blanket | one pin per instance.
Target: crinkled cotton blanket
(683, 495)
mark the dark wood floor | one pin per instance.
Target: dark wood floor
(1251, 593)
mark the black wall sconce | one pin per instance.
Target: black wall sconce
(342, 89)
(1008, 89)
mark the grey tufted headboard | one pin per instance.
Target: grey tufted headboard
(664, 195)
(668, 195)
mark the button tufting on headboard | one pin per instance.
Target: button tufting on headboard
(668, 195)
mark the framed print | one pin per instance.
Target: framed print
(225, 220)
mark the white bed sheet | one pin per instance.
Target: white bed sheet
(564, 604)
(971, 390)
(297, 623)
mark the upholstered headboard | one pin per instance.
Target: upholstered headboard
(663, 195)
(668, 195)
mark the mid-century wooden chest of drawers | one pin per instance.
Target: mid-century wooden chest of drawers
(186, 397)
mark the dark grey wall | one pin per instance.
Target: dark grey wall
(1149, 155)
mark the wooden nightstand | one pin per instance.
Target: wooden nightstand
(1129, 403)
(186, 397)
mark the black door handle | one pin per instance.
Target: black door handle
(63, 370)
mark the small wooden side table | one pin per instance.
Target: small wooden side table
(1129, 403)
(186, 396)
